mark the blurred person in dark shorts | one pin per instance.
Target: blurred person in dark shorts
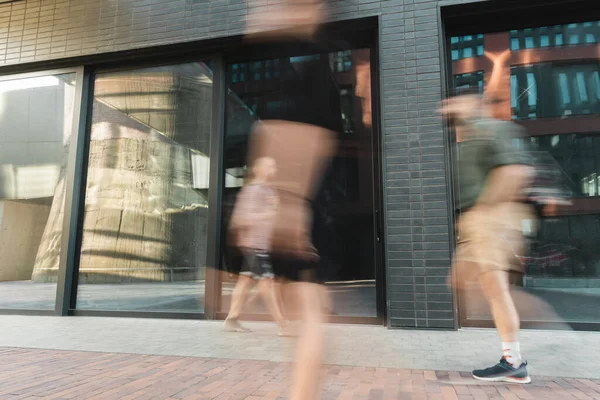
(252, 224)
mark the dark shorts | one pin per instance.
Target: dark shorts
(295, 269)
(257, 264)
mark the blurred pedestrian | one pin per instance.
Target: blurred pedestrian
(252, 225)
(492, 177)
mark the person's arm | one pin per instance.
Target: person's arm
(505, 184)
(509, 171)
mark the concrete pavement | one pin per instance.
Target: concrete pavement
(550, 353)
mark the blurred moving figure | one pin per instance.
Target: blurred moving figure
(302, 151)
(252, 226)
(301, 141)
(293, 19)
(489, 230)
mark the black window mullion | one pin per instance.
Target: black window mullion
(76, 175)
(215, 190)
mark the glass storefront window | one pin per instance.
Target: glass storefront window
(36, 121)
(146, 205)
(557, 102)
(346, 241)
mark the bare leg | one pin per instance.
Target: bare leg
(495, 288)
(326, 303)
(267, 290)
(305, 377)
(238, 298)
(278, 288)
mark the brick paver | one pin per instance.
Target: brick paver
(51, 374)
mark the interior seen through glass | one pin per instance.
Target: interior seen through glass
(346, 239)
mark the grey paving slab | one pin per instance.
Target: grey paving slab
(550, 353)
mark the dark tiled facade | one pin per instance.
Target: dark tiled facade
(414, 146)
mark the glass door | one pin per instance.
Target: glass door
(346, 237)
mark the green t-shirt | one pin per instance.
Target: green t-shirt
(490, 145)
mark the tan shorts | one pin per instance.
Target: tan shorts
(490, 239)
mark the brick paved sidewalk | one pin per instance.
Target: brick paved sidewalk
(49, 374)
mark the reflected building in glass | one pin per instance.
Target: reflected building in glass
(553, 83)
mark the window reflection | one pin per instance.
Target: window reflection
(466, 46)
(469, 80)
(553, 36)
(146, 207)
(346, 238)
(554, 90)
(557, 100)
(36, 120)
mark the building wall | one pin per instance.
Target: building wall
(415, 177)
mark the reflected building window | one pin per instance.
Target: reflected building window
(554, 90)
(469, 81)
(348, 110)
(342, 61)
(554, 36)
(466, 46)
(254, 71)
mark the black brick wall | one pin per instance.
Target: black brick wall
(416, 197)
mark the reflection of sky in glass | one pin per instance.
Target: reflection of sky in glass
(514, 91)
(303, 58)
(531, 90)
(564, 89)
(514, 44)
(559, 39)
(580, 79)
(574, 39)
(467, 46)
(529, 43)
(589, 38)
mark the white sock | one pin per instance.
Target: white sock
(512, 353)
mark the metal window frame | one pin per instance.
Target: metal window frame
(213, 228)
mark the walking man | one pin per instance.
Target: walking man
(491, 178)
